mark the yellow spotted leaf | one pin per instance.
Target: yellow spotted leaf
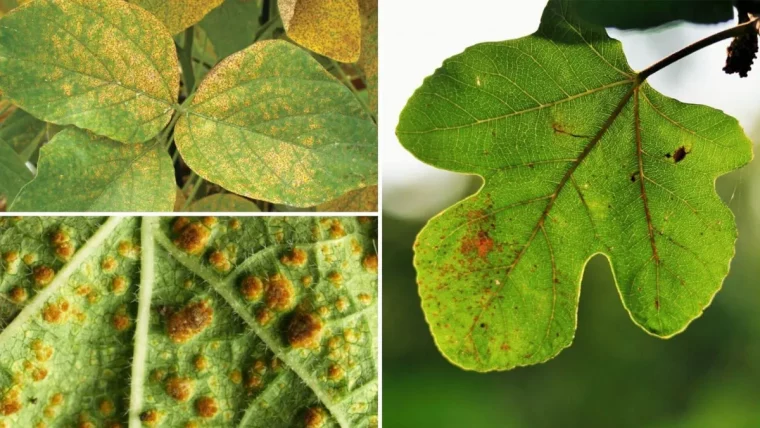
(270, 123)
(177, 15)
(362, 200)
(328, 27)
(368, 60)
(102, 65)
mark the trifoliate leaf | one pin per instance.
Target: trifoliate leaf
(579, 157)
(330, 28)
(176, 15)
(232, 26)
(270, 123)
(224, 202)
(103, 65)
(256, 322)
(79, 171)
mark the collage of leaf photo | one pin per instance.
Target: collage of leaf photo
(234, 213)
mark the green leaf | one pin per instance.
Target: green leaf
(232, 26)
(270, 123)
(579, 157)
(632, 14)
(13, 173)
(79, 171)
(20, 130)
(103, 65)
(330, 28)
(132, 327)
(224, 202)
(176, 15)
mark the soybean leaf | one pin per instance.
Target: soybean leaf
(232, 26)
(13, 173)
(362, 200)
(20, 130)
(579, 157)
(368, 59)
(270, 123)
(79, 171)
(256, 322)
(176, 15)
(224, 202)
(329, 28)
(103, 65)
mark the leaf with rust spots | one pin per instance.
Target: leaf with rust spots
(79, 171)
(102, 65)
(362, 200)
(368, 59)
(176, 15)
(572, 146)
(330, 28)
(271, 123)
(179, 341)
(224, 202)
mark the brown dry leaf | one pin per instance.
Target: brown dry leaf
(330, 28)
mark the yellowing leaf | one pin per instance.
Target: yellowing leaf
(224, 203)
(328, 27)
(362, 200)
(368, 59)
(79, 171)
(177, 15)
(103, 65)
(270, 123)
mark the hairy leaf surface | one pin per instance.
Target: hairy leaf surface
(270, 123)
(79, 171)
(330, 28)
(579, 157)
(177, 15)
(103, 65)
(254, 322)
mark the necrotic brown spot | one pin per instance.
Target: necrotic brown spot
(304, 330)
(206, 407)
(370, 263)
(190, 321)
(43, 275)
(279, 293)
(315, 417)
(297, 257)
(179, 388)
(251, 288)
(481, 244)
(193, 238)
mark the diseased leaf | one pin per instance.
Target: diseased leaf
(13, 173)
(232, 26)
(368, 59)
(224, 202)
(270, 123)
(79, 171)
(255, 322)
(176, 15)
(103, 65)
(579, 157)
(362, 200)
(330, 28)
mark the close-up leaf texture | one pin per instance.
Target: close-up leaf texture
(250, 322)
(579, 156)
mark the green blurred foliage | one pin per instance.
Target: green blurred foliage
(614, 374)
(641, 14)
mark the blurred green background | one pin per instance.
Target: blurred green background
(614, 374)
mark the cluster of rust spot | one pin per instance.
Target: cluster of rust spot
(189, 321)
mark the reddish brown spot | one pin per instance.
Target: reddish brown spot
(9, 406)
(482, 244)
(190, 321)
(251, 288)
(315, 417)
(280, 294)
(206, 407)
(305, 330)
(43, 275)
(193, 238)
(370, 263)
(179, 388)
(150, 417)
(297, 257)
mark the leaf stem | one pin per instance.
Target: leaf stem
(347, 81)
(193, 193)
(738, 30)
(266, 27)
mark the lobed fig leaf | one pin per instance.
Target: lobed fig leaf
(271, 123)
(255, 322)
(102, 65)
(79, 171)
(580, 157)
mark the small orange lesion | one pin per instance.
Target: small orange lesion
(179, 388)
(297, 257)
(305, 330)
(43, 275)
(190, 321)
(280, 295)
(193, 237)
(370, 263)
(206, 407)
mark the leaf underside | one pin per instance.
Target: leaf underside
(270, 123)
(127, 310)
(578, 158)
(106, 66)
